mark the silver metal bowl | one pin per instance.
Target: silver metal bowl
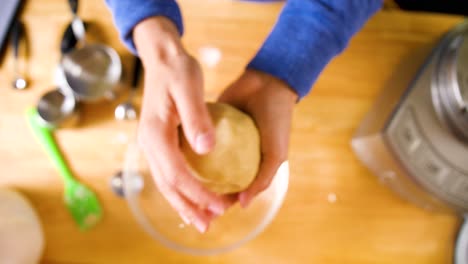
(58, 110)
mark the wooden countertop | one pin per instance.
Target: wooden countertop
(366, 224)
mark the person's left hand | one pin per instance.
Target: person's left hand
(270, 103)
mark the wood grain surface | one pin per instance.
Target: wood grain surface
(366, 224)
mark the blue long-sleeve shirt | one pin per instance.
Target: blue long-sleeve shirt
(307, 35)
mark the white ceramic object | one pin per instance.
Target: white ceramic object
(21, 236)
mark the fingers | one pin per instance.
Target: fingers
(274, 145)
(178, 99)
(193, 113)
(161, 148)
(175, 183)
(267, 171)
(269, 103)
(189, 213)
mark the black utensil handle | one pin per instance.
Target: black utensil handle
(9, 12)
(16, 33)
(137, 69)
(69, 40)
(73, 6)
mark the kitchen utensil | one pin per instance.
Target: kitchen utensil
(69, 40)
(57, 110)
(73, 4)
(233, 229)
(8, 13)
(416, 136)
(116, 184)
(77, 23)
(92, 71)
(126, 110)
(19, 82)
(78, 28)
(82, 203)
(68, 43)
(461, 246)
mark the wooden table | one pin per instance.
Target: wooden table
(367, 223)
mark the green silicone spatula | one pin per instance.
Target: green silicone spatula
(80, 200)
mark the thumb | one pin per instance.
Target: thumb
(196, 121)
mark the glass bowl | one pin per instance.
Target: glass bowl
(236, 227)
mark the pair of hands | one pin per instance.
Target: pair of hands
(173, 96)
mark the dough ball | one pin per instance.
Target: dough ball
(21, 236)
(234, 162)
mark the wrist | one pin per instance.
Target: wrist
(263, 80)
(156, 39)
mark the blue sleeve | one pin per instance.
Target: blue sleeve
(307, 35)
(128, 13)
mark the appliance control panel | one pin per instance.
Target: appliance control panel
(427, 148)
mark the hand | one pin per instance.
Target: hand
(270, 103)
(173, 96)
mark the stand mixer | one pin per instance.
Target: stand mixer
(415, 138)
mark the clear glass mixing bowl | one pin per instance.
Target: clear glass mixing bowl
(231, 230)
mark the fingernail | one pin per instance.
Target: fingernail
(216, 209)
(203, 143)
(185, 219)
(201, 227)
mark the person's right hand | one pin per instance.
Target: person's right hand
(173, 96)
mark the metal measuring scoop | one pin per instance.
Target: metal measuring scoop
(117, 183)
(91, 71)
(58, 108)
(126, 110)
(19, 82)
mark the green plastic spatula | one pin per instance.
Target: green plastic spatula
(80, 200)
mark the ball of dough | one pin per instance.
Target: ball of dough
(21, 236)
(234, 161)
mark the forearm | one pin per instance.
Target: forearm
(308, 34)
(129, 13)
